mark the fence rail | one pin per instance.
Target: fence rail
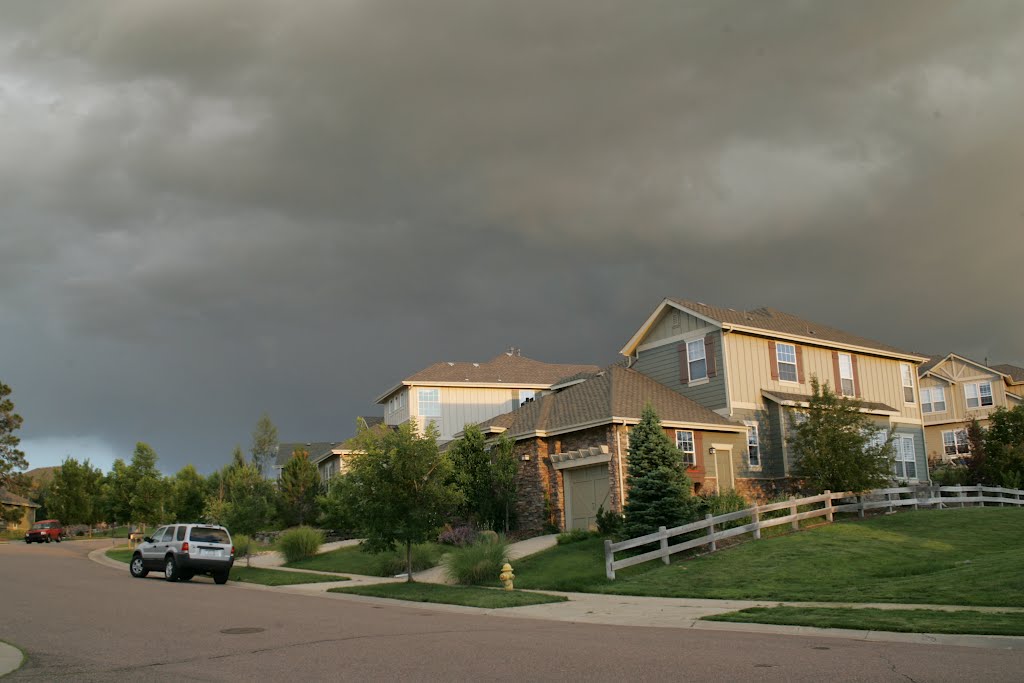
(889, 499)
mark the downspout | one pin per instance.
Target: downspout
(618, 458)
(725, 373)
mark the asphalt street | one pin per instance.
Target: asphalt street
(82, 621)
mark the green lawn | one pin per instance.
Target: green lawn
(906, 621)
(470, 596)
(969, 556)
(121, 554)
(353, 560)
(276, 577)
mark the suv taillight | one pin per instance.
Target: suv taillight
(184, 547)
(232, 551)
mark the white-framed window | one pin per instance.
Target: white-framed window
(526, 395)
(429, 402)
(785, 354)
(696, 359)
(847, 386)
(955, 442)
(908, 382)
(878, 438)
(753, 447)
(978, 395)
(685, 443)
(904, 465)
(933, 400)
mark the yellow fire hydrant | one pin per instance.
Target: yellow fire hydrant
(506, 576)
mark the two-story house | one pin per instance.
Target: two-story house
(756, 366)
(956, 390)
(453, 394)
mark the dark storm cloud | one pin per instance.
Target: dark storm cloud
(212, 209)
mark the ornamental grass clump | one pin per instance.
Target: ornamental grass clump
(243, 547)
(300, 543)
(477, 564)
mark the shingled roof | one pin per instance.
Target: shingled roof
(504, 368)
(773, 320)
(316, 450)
(1016, 373)
(615, 392)
(8, 498)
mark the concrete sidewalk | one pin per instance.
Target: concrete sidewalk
(11, 658)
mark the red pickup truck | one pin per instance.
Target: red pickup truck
(45, 531)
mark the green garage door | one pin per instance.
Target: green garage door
(586, 489)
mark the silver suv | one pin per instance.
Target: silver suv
(184, 550)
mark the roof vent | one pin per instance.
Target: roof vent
(451, 364)
(701, 303)
(476, 365)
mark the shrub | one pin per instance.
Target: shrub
(300, 543)
(243, 546)
(424, 556)
(460, 536)
(488, 536)
(477, 564)
(573, 536)
(722, 503)
(609, 523)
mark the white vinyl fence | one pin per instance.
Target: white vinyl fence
(889, 499)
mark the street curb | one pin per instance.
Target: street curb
(547, 613)
(11, 658)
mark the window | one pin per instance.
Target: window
(181, 533)
(430, 402)
(786, 355)
(933, 400)
(396, 403)
(753, 447)
(526, 395)
(697, 360)
(955, 442)
(684, 442)
(905, 464)
(847, 387)
(978, 395)
(205, 534)
(878, 438)
(908, 382)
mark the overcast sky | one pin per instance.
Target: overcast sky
(213, 209)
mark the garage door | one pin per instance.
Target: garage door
(586, 489)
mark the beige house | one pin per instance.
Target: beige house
(10, 500)
(333, 460)
(956, 390)
(755, 367)
(452, 395)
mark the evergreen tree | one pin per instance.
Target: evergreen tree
(11, 459)
(659, 492)
(264, 443)
(835, 446)
(298, 488)
(148, 491)
(486, 477)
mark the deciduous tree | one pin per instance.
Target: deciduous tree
(75, 495)
(264, 443)
(486, 477)
(188, 495)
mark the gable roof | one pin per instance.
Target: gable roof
(1015, 373)
(771, 322)
(8, 498)
(615, 393)
(317, 450)
(804, 400)
(929, 367)
(505, 368)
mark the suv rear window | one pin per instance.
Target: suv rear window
(202, 534)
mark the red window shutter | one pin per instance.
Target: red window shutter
(684, 364)
(799, 363)
(709, 354)
(774, 359)
(856, 376)
(838, 386)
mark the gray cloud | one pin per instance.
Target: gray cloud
(214, 209)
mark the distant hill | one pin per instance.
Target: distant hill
(41, 476)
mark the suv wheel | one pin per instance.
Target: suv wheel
(186, 576)
(170, 569)
(58, 539)
(137, 568)
(220, 578)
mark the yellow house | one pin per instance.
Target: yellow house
(755, 367)
(10, 500)
(956, 390)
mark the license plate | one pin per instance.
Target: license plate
(205, 552)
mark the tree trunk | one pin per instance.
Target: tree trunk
(408, 560)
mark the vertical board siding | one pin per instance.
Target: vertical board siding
(662, 365)
(669, 325)
(461, 406)
(772, 465)
(750, 371)
(402, 414)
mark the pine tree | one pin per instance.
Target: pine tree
(264, 443)
(298, 488)
(11, 459)
(658, 488)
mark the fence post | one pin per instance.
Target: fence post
(664, 544)
(828, 506)
(860, 505)
(795, 524)
(938, 495)
(609, 558)
(888, 499)
(755, 518)
(711, 531)
(981, 495)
